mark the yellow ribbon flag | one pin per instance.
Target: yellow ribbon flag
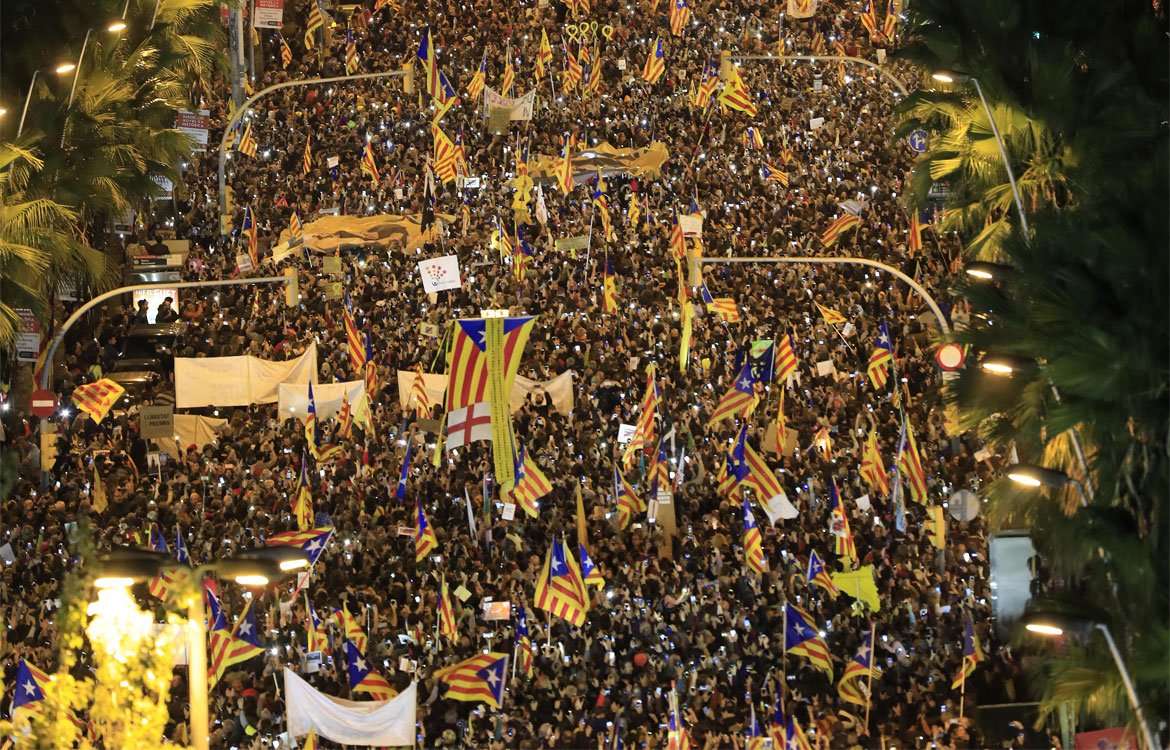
(684, 353)
(581, 535)
(936, 526)
(501, 376)
(860, 585)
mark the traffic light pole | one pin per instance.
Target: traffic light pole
(235, 119)
(47, 368)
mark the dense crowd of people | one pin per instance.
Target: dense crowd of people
(682, 614)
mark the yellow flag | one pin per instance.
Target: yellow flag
(860, 585)
(684, 353)
(936, 526)
(97, 495)
(581, 536)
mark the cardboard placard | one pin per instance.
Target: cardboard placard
(333, 290)
(430, 330)
(625, 432)
(157, 422)
(572, 243)
(461, 593)
(313, 661)
(405, 531)
(497, 610)
(244, 261)
(330, 264)
(509, 511)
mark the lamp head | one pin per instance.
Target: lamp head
(66, 67)
(116, 26)
(1051, 624)
(950, 76)
(1005, 364)
(987, 271)
(1034, 476)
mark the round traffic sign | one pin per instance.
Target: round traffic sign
(918, 140)
(42, 403)
(950, 356)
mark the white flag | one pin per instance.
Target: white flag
(779, 507)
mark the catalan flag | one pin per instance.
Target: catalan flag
(316, 639)
(531, 483)
(219, 637)
(644, 428)
(832, 317)
(879, 361)
(910, 464)
(303, 503)
(286, 55)
(736, 95)
(245, 642)
(560, 590)
(249, 229)
(350, 628)
(747, 466)
(708, 84)
(295, 228)
(564, 169)
(572, 70)
(724, 307)
(371, 370)
(676, 734)
(29, 692)
(868, 16)
(158, 543)
(608, 290)
(628, 501)
(818, 44)
(351, 58)
(316, 21)
(678, 247)
(363, 678)
(860, 667)
(655, 63)
(96, 399)
(310, 741)
(755, 740)
(728, 482)
(475, 86)
(445, 155)
(658, 472)
(818, 576)
(752, 139)
(890, 23)
(873, 471)
(307, 162)
(634, 210)
(599, 200)
(914, 243)
(312, 542)
(523, 642)
(480, 678)
(839, 525)
(430, 62)
(509, 76)
(680, 14)
(419, 400)
(774, 174)
(368, 166)
(313, 433)
(468, 360)
(753, 549)
(786, 733)
(424, 535)
(355, 343)
(785, 357)
(592, 576)
(740, 398)
(801, 638)
(972, 654)
(447, 98)
(544, 56)
(846, 222)
(247, 143)
(448, 625)
(400, 492)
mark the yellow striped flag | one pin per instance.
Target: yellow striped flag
(96, 399)
(448, 626)
(286, 54)
(316, 21)
(753, 547)
(480, 678)
(914, 243)
(785, 357)
(247, 143)
(837, 228)
(424, 535)
(736, 95)
(475, 86)
(832, 317)
(307, 162)
(628, 501)
(531, 483)
(873, 471)
(350, 628)
(560, 589)
(564, 169)
(368, 165)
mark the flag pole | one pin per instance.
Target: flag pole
(784, 653)
(869, 684)
(963, 688)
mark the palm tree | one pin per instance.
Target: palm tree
(1079, 95)
(39, 242)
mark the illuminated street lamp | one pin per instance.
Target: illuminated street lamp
(258, 567)
(1035, 476)
(982, 269)
(1051, 624)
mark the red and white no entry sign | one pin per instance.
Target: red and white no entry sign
(950, 356)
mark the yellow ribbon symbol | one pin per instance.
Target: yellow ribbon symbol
(607, 31)
(572, 31)
(592, 29)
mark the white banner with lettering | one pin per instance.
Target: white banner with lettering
(521, 107)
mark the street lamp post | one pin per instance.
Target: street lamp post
(1035, 476)
(930, 301)
(235, 119)
(250, 568)
(949, 77)
(27, 98)
(1051, 625)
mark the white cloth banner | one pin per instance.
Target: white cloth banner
(439, 274)
(238, 381)
(521, 107)
(559, 390)
(374, 723)
(190, 429)
(327, 398)
(778, 507)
